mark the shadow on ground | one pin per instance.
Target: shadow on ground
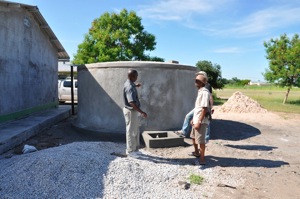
(214, 161)
(64, 133)
(232, 130)
(252, 147)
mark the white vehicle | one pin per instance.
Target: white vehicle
(64, 90)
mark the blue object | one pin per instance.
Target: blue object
(187, 127)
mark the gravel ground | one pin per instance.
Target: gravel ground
(245, 152)
(88, 170)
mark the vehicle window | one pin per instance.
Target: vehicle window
(67, 84)
(76, 84)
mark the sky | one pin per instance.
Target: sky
(229, 33)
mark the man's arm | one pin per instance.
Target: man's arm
(201, 117)
(135, 107)
(211, 100)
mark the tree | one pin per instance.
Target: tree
(116, 37)
(213, 72)
(237, 82)
(284, 62)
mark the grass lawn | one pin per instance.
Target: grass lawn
(270, 97)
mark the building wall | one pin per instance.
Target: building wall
(28, 63)
(167, 94)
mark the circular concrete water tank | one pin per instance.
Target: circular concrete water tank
(167, 94)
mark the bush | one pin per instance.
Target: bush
(196, 179)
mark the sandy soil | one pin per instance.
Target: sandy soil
(260, 150)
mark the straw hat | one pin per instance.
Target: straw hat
(202, 78)
(202, 73)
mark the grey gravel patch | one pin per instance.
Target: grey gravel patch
(88, 170)
(69, 171)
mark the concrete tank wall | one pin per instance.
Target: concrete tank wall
(167, 94)
(28, 63)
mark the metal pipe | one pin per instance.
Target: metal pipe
(72, 90)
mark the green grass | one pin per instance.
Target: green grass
(196, 179)
(218, 101)
(270, 97)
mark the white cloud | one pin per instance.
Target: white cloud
(179, 10)
(264, 21)
(222, 17)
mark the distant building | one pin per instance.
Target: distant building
(29, 54)
(64, 69)
(258, 83)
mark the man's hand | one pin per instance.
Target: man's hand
(144, 114)
(192, 123)
(197, 126)
(138, 85)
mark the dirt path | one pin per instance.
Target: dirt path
(269, 161)
(261, 151)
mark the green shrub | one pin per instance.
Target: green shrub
(196, 179)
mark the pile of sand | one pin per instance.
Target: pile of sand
(240, 103)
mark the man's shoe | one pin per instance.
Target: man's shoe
(194, 154)
(180, 134)
(133, 154)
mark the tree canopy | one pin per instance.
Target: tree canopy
(116, 37)
(236, 81)
(284, 62)
(213, 72)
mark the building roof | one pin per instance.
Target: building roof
(61, 52)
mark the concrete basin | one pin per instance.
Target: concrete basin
(162, 139)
